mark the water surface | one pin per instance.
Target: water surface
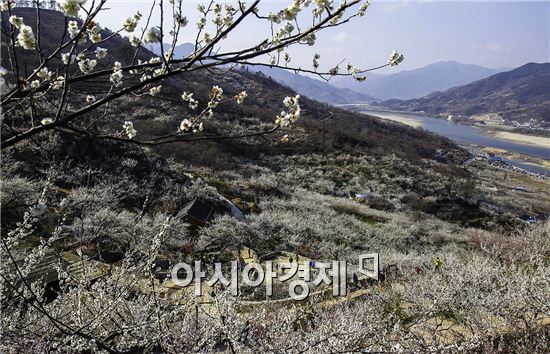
(474, 135)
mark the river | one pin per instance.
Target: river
(474, 135)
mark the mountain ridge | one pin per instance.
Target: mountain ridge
(416, 83)
(520, 94)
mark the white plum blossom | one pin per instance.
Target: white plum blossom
(25, 38)
(72, 29)
(90, 99)
(71, 7)
(58, 83)
(292, 10)
(116, 77)
(187, 96)
(241, 96)
(291, 102)
(152, 36)
(100, 53)
(207, 37)
(218, 20)
(87, 65)
(95, 37)
(185, 125)
(284, 138)
(134, 41)
(201, 22)
(154, 90)
(94, 32)
(363, 8)
(275, 18)
(228, 19)
(46, 121)
(3, 72)
(285, 119)
(7, 5)
(67, 58)
(310, 39)
(288, 28)
(131, 23)
(129, 129)
(35, 84)
(44, 74)
(395, 58)
(216, 93)
(181, 20)
(16, 21)
(193, 104)
(286, 57)
(158, 72)
(198, 127)
(316, 58)
(117, 66)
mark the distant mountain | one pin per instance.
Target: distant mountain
(419, 82)
(519, 94)
(313, 88)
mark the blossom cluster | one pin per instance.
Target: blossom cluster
(239, 98)
(116, 76)
(152, 36)
(221, 19)
(16, 21)
(25, 38)
(7, 5)
(131, 23)
(129, 129)
(86, 65)
(395, 58)
(94, 32)
(71, 7)
(285, 119)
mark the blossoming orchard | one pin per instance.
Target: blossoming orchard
(162, 191)
(60, 106)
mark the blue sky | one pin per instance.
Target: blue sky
(494, 34)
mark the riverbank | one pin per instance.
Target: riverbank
(540, 141)
(528, 152)
(410, 121)
(513, 161)
(522, 138)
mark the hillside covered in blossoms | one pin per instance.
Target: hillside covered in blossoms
(118, 164)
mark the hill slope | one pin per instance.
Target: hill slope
(520, 94)
(419, 82)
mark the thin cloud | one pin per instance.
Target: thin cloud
(340, 38)
(491, 47)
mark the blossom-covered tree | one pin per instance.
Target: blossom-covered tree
(50, 88)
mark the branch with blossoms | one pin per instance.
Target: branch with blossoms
(54, 87)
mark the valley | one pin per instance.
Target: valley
(529, 152)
